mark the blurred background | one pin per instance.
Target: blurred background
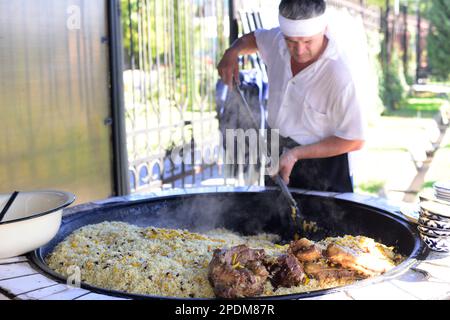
(95, 95)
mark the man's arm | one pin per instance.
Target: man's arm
(228, 66)
(329, 147)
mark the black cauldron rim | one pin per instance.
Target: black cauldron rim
(419, 252)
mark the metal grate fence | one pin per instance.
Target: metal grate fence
(171, 49)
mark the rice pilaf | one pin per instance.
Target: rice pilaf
(167, 262)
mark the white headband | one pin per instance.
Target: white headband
(302, 28)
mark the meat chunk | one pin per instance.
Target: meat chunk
(286, 272)
(238, 272)
(324, 273)
(305, 250)
(363, 260)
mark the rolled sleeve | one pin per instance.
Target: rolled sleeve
(348, 115)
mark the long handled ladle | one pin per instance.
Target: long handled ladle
(295, 211)
(8, 205)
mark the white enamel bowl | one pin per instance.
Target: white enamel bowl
(32, 221)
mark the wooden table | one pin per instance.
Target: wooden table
(428, 279)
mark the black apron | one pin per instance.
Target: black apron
(324, 174)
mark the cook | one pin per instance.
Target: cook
(313, 100)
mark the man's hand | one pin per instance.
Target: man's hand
(287, 162)
(329, 147)
(229, 67)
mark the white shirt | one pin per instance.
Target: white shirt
(319, 102)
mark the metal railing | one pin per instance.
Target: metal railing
(171, 49)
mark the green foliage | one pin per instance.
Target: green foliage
(393, 86)
(379, 70)
(371, 187)
(423, 104)
(374, 45)
(172, 47)
(439, 39)
(423, 107)
(412, 4)
(378, 3)
(129, 23)
(428, 184)
(183, 55)
(409, 78)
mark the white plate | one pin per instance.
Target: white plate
(430, 195)
(433, 232)
(447, 199)
(440, 244)
(443, 185)
(411, 212)
(445, 194)
(430, 223)
(436, 208)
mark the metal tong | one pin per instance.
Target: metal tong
(295, 211)
(295, 216)
(246, 105)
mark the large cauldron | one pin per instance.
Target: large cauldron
(248, 213)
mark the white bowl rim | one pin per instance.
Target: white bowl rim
(70, 198)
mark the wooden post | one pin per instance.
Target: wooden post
(234, 29)
(387, 34)
(393, 33)
(405, 38)
(362, 3)
(418, 45)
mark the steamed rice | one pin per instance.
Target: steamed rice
(166, 262)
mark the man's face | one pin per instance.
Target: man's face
(305, 49)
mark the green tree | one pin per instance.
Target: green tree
(130, 36)
(438, 41)
(393, 84)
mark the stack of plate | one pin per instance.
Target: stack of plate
(442, 190)
(434, 225)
